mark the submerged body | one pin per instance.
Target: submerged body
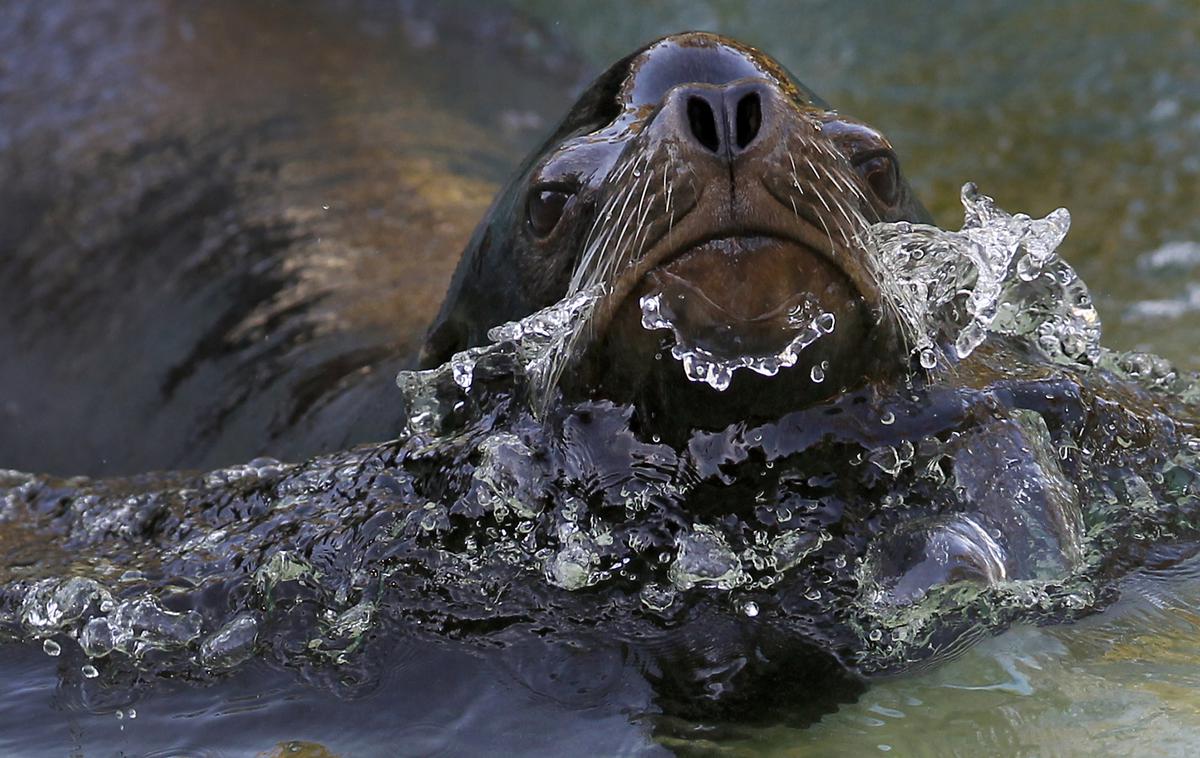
(725, 447)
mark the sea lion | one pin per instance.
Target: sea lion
(699, 171)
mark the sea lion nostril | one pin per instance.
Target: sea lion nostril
(703, 123)
(749, 120)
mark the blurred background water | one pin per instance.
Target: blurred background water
(1093, 105)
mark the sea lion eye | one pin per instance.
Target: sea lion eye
(545, 207)
(881, 174)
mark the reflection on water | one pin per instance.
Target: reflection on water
(1122, 683)
(1095, 106)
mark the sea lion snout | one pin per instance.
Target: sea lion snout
(723, 121)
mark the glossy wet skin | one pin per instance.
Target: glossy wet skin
(697, 168)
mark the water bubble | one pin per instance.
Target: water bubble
(928, 359)
(574, 566)
(817, 373)
(89, 671)
(887, 418)
(462, 368)
(750, 609)
(890, 459)
(51, 648)
(231, 644)
(705, 559)
(657, 597)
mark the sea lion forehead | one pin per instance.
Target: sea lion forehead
(702, 58)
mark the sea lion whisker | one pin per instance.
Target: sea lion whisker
(833, 179)
(643, 206)
(591, 244)
(842, 209)
(619, 251)
(670, 190)
(824, 224)
(643, 228)
(824, 202)
(816, 173)
(589, 272)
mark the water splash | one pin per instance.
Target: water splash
(999, 274)
(714, 361)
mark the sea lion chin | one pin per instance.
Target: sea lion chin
(718, 208)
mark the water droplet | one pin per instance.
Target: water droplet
(89, 671)
(463, 370)
(51, 648)
(817, 374)
(750, 609)
(928, 358)
(888, 418)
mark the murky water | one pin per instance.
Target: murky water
(1091, 106)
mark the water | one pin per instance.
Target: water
(1098, 116)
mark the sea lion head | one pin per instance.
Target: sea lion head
(718, 207)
